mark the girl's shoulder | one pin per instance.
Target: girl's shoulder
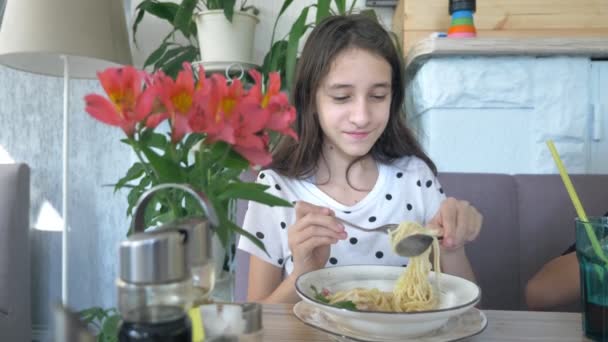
(410, 164)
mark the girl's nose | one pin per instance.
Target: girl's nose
(360, 113)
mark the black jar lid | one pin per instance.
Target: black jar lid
(462, 5)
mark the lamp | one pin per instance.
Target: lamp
(64, 38)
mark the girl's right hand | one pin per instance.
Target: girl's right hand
(310, 237)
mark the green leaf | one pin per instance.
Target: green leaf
(252, 192)
(110, 328)
(135, 171)
(229, 9)
(184, 15)
(152, 139)
(275, 58)
(138, 17)
(322, 10)
(188, 54)
(168, 55)
(162, 10)
(345, 304)
(297, 31)
(352, 6)
(341, 6)
(318, 295)
(91, 314)
(236, 161)
(156, 54)
(248, 235)
(286, 4)
(166, 170)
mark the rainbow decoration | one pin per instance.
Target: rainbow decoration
(462, 25)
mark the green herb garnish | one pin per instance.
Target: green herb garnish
(345, 304)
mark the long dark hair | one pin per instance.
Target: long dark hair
(335, 34)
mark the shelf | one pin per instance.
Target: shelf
(427, 48)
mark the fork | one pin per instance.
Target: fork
(382, 229)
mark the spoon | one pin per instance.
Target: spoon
(414, 245)
(409, 246)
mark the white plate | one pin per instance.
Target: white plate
(467, 324)
(457, 296)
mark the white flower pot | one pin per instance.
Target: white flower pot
(222, 43)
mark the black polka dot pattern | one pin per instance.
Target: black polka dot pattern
(280, 261)
(260, 235)
(277, 186)
(283, 225)
(399, 174)
(419, 183)
(347, 212)
(372, 219)
(409, 207)
(333, 260)
(440, 190)
(262, 175)
(379, 254)
(389, 197)
(353, 240)
(429, 183)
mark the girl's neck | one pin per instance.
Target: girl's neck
(334, 169)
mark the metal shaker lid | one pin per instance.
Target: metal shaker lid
(153, 258)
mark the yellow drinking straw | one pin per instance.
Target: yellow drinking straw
(198, 332)
(577, 203)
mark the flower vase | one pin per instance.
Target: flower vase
(223, 289)
(224, 262)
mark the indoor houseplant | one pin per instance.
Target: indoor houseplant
(233, 27)
(281, 55)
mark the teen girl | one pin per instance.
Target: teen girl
(355, 161)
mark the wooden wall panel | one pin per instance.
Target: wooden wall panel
(416, 19)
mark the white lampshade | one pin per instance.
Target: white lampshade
(92, 33)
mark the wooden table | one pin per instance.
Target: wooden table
(281, 325)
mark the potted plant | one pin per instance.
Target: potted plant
(282, 53)
(212, 32)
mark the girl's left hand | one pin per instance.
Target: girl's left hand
(457, 221)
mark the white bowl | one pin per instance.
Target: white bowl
(457, 296)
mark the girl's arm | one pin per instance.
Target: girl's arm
(456, 262)
(557, 283)
(458, 222)
(266, 284)
(309, 238)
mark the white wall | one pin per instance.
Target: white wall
(495, 114)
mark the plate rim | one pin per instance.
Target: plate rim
(358, 339)
(301, 293)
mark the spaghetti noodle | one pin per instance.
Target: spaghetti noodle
(412, 291)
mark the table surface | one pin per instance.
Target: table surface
(280, 324)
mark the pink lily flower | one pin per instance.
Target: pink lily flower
(127, 104)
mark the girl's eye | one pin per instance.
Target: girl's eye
(340, 98)
(379, 97)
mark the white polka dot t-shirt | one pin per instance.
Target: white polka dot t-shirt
(406, 190)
